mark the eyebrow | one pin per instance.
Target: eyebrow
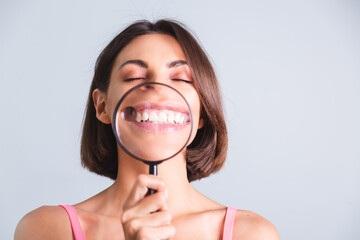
(136, 62)
(143, 64)
(177, 63)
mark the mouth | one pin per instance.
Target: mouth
(161, 114)
(162, 117)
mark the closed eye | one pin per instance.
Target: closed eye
(133, 79)
(181, 80)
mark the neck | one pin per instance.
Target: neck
(172, 171)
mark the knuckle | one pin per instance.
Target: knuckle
(141, 180)
(161, 182)
(162, 199)
(172, 230)
(143, 234)
(125, 217)
(167, 216)
(132, 226)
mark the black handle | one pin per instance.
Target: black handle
(152, 171)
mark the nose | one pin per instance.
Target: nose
(152, 86)
(158, 77)
(155, 81)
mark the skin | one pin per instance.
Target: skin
(123, 211)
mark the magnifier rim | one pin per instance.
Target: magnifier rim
(115, 128)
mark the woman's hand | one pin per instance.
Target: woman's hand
(147, 217)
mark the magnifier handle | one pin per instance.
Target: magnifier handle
(152, 171)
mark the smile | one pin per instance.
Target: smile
(162, 117)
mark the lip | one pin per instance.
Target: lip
(175, 107)
(164, 127)
(163, 106)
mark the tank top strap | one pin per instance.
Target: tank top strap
(229, 223)
(74, 221)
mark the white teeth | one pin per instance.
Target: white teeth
(145, 116)
(171, 117)
(153, 117)
(177, 117)
(138, 117)
(162, 117)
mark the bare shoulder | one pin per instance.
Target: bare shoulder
(249, 225)
(46, 222)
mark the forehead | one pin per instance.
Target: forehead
(151, 48)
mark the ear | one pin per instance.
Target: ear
(99, 98)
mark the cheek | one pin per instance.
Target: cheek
(112, 99)
(196, 114)
(194, 102)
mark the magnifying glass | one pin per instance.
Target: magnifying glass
(152, 122)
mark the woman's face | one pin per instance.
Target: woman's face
(153, 58)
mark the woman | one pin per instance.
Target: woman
(167, 53)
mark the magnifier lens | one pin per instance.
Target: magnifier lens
(153, 122)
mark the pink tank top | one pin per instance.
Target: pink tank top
(79, 234)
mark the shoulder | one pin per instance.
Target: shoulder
(46, 222)
(249, 225)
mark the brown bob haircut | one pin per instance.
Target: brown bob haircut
(206, 154)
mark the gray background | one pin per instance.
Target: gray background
(290, 76)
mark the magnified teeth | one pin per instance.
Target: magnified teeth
(171, 117)
(145, 116)
(177, 117)
(138, 117)
(182, 119)
(162, 117)
(153, 117)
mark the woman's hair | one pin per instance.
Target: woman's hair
(206, 154)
